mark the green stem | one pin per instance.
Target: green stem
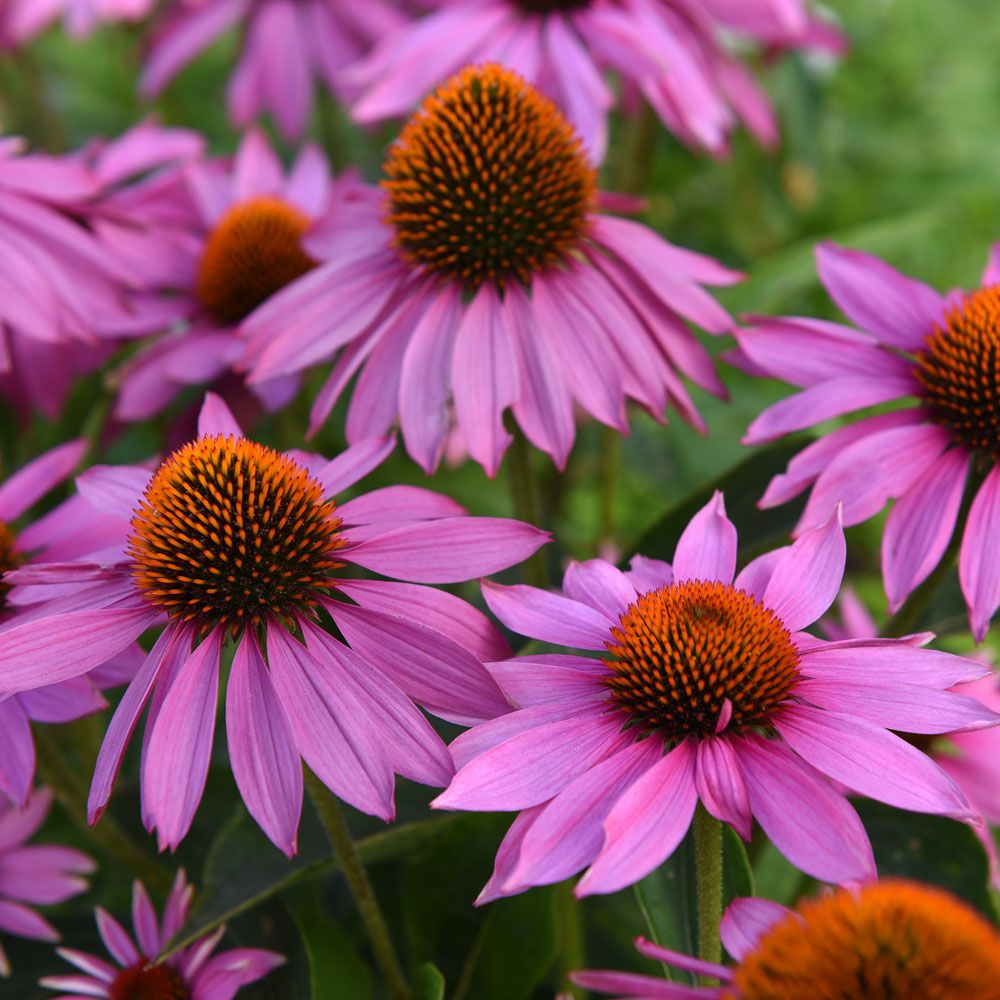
(572, 951)
(351, 865)
(522, 493)
(641, 148)
(55, 771)
(708, 876)
(610, 459)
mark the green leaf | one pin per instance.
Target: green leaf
(428, 983)
(776, 877)
(737, 875)
(742, 487)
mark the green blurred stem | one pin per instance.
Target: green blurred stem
(708, 878)
(572, 952)
(642, 146)
(525, 501)
(610, 459)
(351, 865)
(55, 771)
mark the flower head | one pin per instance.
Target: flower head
(671, 51)
(936, 355)
(33, 874)
(285, 49)
(228, 540)
(886, 940)
(484, 278)
(704, 688)
(189, 974)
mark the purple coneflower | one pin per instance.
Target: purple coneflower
(708, 690)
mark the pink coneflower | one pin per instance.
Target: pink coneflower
(672, 51)
(231, 541)
(287, 46)
(220, 240)
(189, 974)
(892, 939)
(932, 352)
(33, 874)
(58, 285)
(971, 758)
(24, 19)
(707, 690)
(488, 278)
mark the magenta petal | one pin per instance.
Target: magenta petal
(25, 922)
(810, 822)
(646, 824)
(635, 986)
(603, 586)
(507, 854)
(65, 702)
(215, 417)
(331, 727)
(707, 548)
(872, 761)
(921, 524)
(116, 938)
(720, 785)
(979, 559)
(648, 574)
(532, 766)
(221, 978)
(31, 483)
(890, 661)
(807, 577)
(17, 752)
(175, 767)
(262, 750)
(50, 650)
(746, 921)
(568, 832)
(354, 463)
(114, 489)
(681, 961)
(540, 614)
(398, 504)
(549, 679)
(144, 922)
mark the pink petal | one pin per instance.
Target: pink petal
(645, 825)
(746, 921)
(31, 483)
(262, 749)
(175, 766)
(543, 679)
(807, 577)
(116, 939)
(114, 489)
(222, 977)
(634, 986)
(602, 586)
(681, 961)
(354, 463)
(707, 548)
(720, 785)
(66, 702)
(215, 417)
(540, 614)
(870, 760)
(24, 922)
(144, 922)
(648, 574)
(448, 550)
(979, 557)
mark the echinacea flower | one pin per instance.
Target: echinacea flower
(672, 51)
(287, 45)
(488, 278)
(70, 699)
(215, 239)
(936, 355)
(708, 690)
(57, 284)
(22, 20)
(231, 541)
(189, 974)
(892, 939)
(33, 874)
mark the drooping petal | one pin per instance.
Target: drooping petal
(720, 785)
(646, 824)
(980, 556)
(31, 483)
(17, 752)
(707, 548)
(262, 751)
(746, 921)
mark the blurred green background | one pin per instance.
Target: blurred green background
(896, 150)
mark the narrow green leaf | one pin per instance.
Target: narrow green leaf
(428, 983)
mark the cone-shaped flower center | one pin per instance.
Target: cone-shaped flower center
(253, 252)
(10, 559)
(149, 982)
(229, 531)
(960, 372)
(488, 181)
(892, 941)
(681, 653)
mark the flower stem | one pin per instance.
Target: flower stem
(708, 876)
(610, 459)
(351, 865)
(572, 952)
(55, 771)
(523, 497)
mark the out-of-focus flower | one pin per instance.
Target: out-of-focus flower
(216, 240)
(58, 286)
(22, 20)
(489, 278)
(708, 690)
(287, 45)
(32, 875)
(890, 939)
(937, 354)
(229, 540)
(674, 52)
(189, 974)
